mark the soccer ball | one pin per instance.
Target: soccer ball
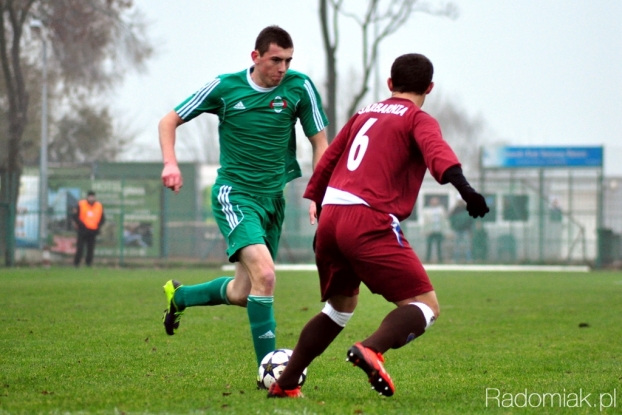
(271, 367)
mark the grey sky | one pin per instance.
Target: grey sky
(540, 72)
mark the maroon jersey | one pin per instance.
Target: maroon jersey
(381, 156)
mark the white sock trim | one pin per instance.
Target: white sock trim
(427, 313)
(338, 317)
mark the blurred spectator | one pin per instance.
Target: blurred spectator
(462, 225)
(480, 242)
(555, 213)
(89, 217)
(434, 226)
(553, 232)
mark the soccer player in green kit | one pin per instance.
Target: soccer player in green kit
(257, 110)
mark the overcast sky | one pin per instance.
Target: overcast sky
(539, 72)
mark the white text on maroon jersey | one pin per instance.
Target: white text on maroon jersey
(396, 109)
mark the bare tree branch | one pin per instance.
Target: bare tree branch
(387, 17)
(94, 43)
(330, 37)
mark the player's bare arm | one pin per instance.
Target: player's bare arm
(319, 143)
(171, 175)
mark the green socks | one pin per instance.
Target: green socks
(259, 308)
(263, 325)
(209, 293)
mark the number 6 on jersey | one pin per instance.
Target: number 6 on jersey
(359, 145)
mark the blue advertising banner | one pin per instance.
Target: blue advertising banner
(537, 157)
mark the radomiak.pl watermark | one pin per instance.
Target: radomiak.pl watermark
(496, 397)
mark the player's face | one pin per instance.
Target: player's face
(270, 67)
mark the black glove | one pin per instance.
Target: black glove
(476, 204)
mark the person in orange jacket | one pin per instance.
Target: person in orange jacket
(89, 217)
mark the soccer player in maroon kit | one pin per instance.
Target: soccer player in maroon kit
(366, 182)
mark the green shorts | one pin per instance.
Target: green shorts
(245, 219)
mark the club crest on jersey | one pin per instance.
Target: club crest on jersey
(278, 104)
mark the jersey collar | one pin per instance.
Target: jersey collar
(254, 85)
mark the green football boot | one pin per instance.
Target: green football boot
(172, 315)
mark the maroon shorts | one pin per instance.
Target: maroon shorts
(356, 243)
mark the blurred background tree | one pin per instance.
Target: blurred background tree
(377, 20)
(92, 45)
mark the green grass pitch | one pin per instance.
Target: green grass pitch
(91, 341)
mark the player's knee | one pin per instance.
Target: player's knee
(340, 318)
(264, 281)
(268, 279)
(430, 313)
(436, 309)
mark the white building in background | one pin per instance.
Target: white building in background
(27, 212)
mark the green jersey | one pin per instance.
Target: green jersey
(257, 127)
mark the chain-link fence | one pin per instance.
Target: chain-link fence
(537, 217)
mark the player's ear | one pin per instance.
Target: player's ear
(390, 84)
(429, 88)
(255, 56)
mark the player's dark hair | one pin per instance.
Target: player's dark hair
(273, 34)
(90, 193)
(412, 73)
